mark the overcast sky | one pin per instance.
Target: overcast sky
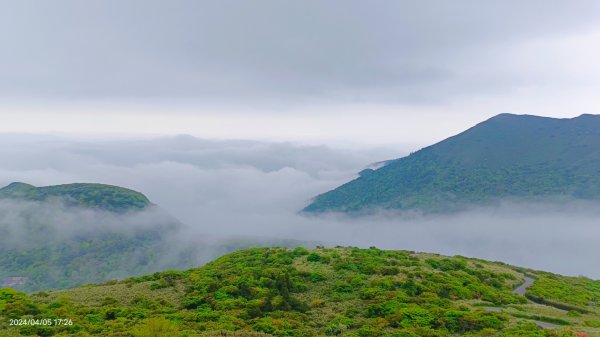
(362, 72)
(385, 77)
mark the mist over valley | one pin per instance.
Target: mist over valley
(225, 191)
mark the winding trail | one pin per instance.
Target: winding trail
(521, 290)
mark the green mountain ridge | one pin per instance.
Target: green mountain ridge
(44, 245)
(106, 197)
(508, 156)
(341, 291)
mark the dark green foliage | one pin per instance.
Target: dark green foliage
(259, 283)
(107, 197)
(508, 156)
(314, 257)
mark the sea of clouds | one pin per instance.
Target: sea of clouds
(250, 189)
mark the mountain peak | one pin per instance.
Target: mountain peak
(518, 118)
(508, 155)
(522, 117)
(18, 186)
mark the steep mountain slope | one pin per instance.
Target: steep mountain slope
(107, 197)
(507, 156)
(347, 292)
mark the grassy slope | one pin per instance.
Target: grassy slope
(107, 197)
(324, 292)
(506, 156)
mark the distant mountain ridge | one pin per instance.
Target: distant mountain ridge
(507, 156)
(107, 197)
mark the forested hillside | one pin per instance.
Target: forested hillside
(107, 197)
(518, 157)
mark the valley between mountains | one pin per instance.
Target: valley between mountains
(101, 260)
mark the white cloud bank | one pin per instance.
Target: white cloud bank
(244, 188)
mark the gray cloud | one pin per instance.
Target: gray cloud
(184, 174)
(224, 189)
(27, 224)
(235, 51)
(559, 238)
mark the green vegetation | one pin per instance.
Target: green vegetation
(103, 255)
(75, 261)
(41, 250)
(45, 256)
(346, 292)
(107, 197)
(508, 156)
(578, 294)
(46, 246)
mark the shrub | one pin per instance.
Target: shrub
(156, 327)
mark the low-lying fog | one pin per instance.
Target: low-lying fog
(245, 188)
